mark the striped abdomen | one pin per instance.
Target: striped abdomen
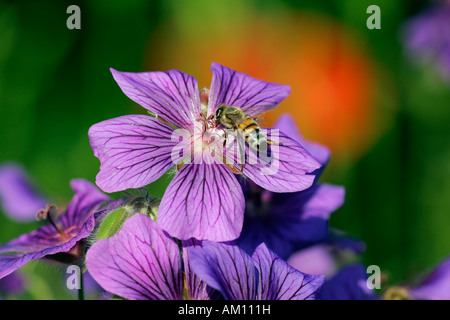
(252, 133)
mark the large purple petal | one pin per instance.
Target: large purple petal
(286, 123)
(140, 262)
(436, 285)
(203, 202)
(289, 167)
(279, 281)
(18, 197)
(171, 95)
(133, 150)
(234, 88)
(225, 268)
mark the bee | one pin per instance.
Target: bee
(245, 126)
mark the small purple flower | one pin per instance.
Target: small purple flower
(325, 256)
(61, 236)
(436, 285)
(204, 200)
(18, 197)
(284, 221)
(141, 262)
(427, 36)
(13, 284)
(262, 276)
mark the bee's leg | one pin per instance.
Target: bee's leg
(270, 142)
(163, 121)
(241, 150)
(225, 139)
(233, 169)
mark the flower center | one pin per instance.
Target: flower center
(61, 235)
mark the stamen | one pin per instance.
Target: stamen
(46, 214)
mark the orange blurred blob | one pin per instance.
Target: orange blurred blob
(331, 77)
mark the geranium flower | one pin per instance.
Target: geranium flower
(434, 286)
(141, 262)
(427, 37)
(63, 234)
(284, 221)
(204, 200)
(263, 276)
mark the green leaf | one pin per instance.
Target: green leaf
(113, 223)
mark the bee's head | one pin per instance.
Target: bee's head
(219, 113)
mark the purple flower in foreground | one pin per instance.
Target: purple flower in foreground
(263, 276)
(141, 262)
(61, 236)
(284, 221)
(18, 197)
(204, 200)
(427, 36)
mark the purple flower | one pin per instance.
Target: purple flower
(436, 285)
(350, 283)
(427, 36)
(18, 197)
(13, 284)
(284, 221)
(141, 262)
(60, 236)
(204, 200)
(263, 276)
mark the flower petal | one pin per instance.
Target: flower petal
(350, 283)
(290, 166)
(171, 95)
(436, 285)
(139, 263)
(133, 151)
(197, 289)
(234, 88)
(203, 202)
(87, 198)
(316, 259)
(32, 246)
(225, 268)
(286, 123)
(292, 219)
(18, 197)
(279, 281)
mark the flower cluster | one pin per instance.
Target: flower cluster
(243, 218)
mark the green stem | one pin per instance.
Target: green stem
(81, 290)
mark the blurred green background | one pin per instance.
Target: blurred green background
(384, 117)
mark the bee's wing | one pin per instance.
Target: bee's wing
(235, 118)
(258, 111)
